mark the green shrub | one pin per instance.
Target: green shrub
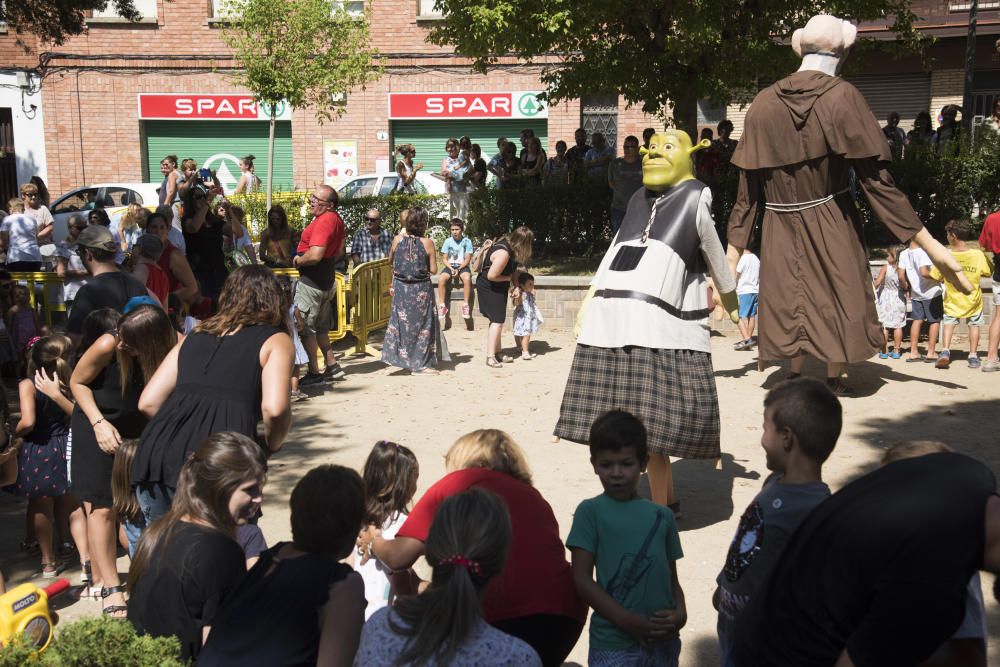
(296, 205)
(97, 642)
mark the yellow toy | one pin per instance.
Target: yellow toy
(25, 611)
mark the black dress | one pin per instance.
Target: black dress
(185, 586)
(273, 618)
(218, 389)
(492, 295)
(91, 466)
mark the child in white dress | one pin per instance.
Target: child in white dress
(527, 316)
(390, 476)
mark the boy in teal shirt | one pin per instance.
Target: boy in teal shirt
(637, 600)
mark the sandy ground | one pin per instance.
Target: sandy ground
(895, 401)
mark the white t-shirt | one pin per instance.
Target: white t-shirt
(921, 289)
(22, 238)
(749, 270)
(70, 286)
(375, 574)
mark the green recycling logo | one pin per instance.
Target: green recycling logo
(279, 109)
(529, 105)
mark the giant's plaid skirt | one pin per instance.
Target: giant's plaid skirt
(671, 391)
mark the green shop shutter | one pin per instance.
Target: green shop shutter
(219, 145)
(429, 136)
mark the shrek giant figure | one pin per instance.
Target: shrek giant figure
(644, 336)
(801, 138)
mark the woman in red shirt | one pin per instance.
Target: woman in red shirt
(533, 599)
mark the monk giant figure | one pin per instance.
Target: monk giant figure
(801, 138)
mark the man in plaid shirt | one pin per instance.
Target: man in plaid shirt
(372, 242)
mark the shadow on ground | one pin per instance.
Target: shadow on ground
(706, 494)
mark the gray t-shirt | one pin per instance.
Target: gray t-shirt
(627, 179)
(761, 536)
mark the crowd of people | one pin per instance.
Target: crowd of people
(149, 423)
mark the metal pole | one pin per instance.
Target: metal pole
(970, 65)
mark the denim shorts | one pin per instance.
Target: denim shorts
(930, 311)
(656, 655)
(977, 320)
(748, 305)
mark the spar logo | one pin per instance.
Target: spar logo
(529, 105)
(227, 168)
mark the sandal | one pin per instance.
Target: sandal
(86, 574)
(427, 371)
(50, 570)
(505, 358)
(493, 363)
(114, 610)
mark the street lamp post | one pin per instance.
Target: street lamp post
(970, 65)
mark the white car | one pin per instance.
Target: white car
(112, 197)
(367, 185)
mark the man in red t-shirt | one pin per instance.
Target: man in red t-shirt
(989, 241)
(320, 246)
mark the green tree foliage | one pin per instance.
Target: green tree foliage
(651, 53)
(303, 52)
(55, 20)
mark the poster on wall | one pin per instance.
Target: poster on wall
(340, 162)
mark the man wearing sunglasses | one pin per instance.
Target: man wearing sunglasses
(316, 259)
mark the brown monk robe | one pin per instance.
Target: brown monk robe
(801, 137)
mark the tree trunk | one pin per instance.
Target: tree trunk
(686, 114)
(270, 157)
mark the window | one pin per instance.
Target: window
(599, 113)
(352, 7)
(119, 196)
(964, 6)
(427, 10)
(81, 200)
(220, 8)
(710, 114)
(359, 187)
(146, 9)
(388, 185)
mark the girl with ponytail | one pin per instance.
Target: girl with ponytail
(466, 547)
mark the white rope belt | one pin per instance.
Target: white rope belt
(802, 206)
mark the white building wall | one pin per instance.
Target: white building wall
(29, 132)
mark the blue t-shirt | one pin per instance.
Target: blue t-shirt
(456, 250)
(634, 544)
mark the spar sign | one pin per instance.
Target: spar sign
(428, 106)
(194, 106)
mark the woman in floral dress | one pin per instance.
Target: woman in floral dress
(412, 339)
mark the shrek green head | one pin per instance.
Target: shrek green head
(667, 161)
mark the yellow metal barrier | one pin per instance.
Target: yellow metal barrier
(338, 328)
(372, 303)
(363, 303)
(50, 296)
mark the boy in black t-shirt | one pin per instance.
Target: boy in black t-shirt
(878, 574)
(802, 421)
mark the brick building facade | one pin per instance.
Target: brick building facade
(87, 127)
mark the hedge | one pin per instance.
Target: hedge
(574, 220)
(96, 642)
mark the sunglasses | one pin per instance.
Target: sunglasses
(373, 219)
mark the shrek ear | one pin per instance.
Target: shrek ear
(797, 42)
(850, 33)
(643, 150)
(704, 143)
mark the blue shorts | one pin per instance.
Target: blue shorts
(666, 654)
(930, 311)
(450, 270)
(748, 305)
